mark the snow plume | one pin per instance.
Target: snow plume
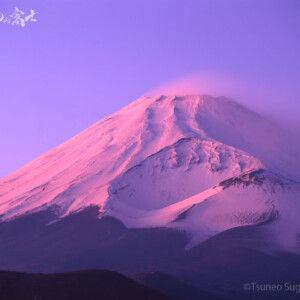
(198, 84)
(269, 98)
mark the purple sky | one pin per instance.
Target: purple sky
(84, 59)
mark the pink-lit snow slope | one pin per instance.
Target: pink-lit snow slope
(159, 158)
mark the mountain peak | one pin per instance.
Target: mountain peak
(129, 163)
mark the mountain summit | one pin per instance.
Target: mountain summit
(196, 163)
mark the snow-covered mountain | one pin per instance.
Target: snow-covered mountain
(195, 163)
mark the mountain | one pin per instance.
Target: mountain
(171, 286)
(158, 158)
(89, 284)
(163, 183)
(80, 172)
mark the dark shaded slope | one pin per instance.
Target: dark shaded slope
(82, 241)
(229, 260)
(171, 286)
(88, 285)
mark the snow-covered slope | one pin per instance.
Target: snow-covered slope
(166, 161)
(251, 198)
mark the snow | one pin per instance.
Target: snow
(163, 156)
(158, 217)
